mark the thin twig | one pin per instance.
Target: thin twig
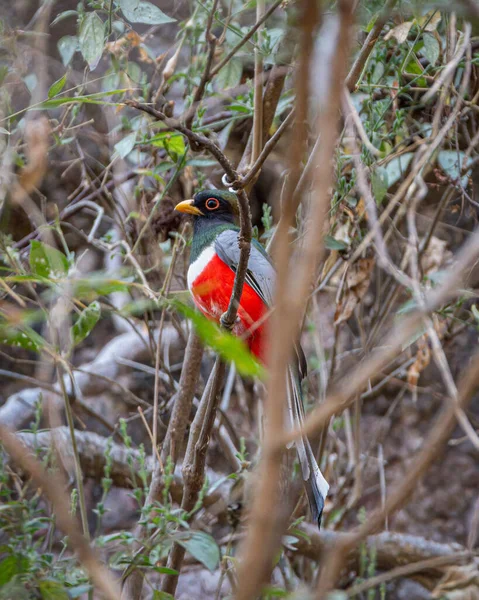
(247, 37)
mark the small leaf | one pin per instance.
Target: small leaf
(451, 162)
(159, 595)
(334, 244)
(230, 74)
(475, 312)
(96, 285)
(22, 337)
(78, 590)
(175, 146)
(400, 32)
(46, 261)
(67, 46)
(92, 37)
(201, 162)
(126, 145)
(11, 566)
(432, 21)
(379, 186)
(166, 571)
(57, 87)
(395, 169)
(64, 15)
(201, 546)
(431, 48)
(52, 590)
(228, 346)
(144, 12)
(86, 321)
(88, 99)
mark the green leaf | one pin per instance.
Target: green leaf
(92, 38)
(431, 48)
(395, 169)
(144, 12)
(46, 261)
(159, 595)
(52, 590)
(227, 345)
(334, 244)
(67, 46)
(126, 145)
(230, 75)
(78, 590)
(201, 162)
(57, 87)
(173, 143)
(88, 99)
(475, 312)
(11, 566)
(166, 571)
(201, 546)
(414, 67)
(86, 321)
(21, 337)
(96, 285)
(379, 186)
(64, 15)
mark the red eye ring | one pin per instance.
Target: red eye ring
(212, 203)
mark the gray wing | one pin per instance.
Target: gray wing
(261, 275)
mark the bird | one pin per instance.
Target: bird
(214, 258)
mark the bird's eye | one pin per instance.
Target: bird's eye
(212, 203)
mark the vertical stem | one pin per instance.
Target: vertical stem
(258, 89)
(76, 457)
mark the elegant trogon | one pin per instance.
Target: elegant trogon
(213, 262)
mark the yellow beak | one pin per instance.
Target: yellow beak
(187, 207)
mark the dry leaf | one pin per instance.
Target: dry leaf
(434, 21)
(360, 208)
(31, 175)
(423, 358)
(400, 32)
(329, 263)
(459, 583)
(435, 256)
(356, 285)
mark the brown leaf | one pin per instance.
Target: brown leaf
(31, 175)
(356, 285)
(423, 358)
(435, 256)
(400, 32)
(459, 583)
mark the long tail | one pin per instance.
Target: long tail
(315, 484)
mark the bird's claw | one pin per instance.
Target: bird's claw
(225, 323)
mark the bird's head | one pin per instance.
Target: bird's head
(218, 205)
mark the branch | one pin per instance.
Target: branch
(264, 531)
(180, 414)
(199, 140)
(352, 79)
(195, 462)
(247, 37)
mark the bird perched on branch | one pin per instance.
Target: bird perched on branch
(213, 263)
